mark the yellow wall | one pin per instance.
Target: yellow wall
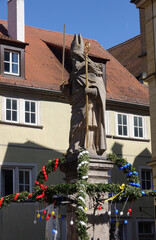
(36, 145)
(129, 148)
(23, 144)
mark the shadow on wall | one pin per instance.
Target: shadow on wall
(29, 152)
(16, 221)
(117, 149)
(142, 158)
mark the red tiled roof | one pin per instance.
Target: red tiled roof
(44, 70)
(127, 53)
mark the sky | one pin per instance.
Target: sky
(110, 22)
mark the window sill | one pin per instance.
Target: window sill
(12, 74)
(128, 138)
(21, 125)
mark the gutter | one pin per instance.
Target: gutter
(58, 94)
(33, 92)
(32, 88)
(131, 103)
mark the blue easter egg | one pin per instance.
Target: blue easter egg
(143, 193)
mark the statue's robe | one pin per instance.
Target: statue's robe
(77, 84)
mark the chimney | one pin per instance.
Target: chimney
(16, 22)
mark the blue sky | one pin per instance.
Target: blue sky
(110, 22)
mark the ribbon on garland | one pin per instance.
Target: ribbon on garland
(30, 195)
(122, 187)
(43, 192)
(16, 196)
(1, 200)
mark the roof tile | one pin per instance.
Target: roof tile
(44, 70)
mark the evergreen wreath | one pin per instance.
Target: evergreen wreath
(56, 193)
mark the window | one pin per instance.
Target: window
(146, 230)
(17, 178)
(30, 112)
(20, 111)
(11, 62)
(132, 126)
(146, 178)
(7, 181)
(24, 180)
(138, 126)
(11, 110)
(122, 124)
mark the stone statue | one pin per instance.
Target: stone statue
(76, 91)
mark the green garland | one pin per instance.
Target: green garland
(82, 188)
(81, 218)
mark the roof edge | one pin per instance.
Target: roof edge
(124, 43)
(68, 49)
(134, 1)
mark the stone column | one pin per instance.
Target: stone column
(98, 225)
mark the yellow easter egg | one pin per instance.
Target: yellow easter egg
(52, 213)
(117, 224)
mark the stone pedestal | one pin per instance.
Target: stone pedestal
(98, 224)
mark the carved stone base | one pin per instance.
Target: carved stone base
(98, 224)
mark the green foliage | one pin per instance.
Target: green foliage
(55, 193)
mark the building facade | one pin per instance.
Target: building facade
(149, 8)
(35, 119)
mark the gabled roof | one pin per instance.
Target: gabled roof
(127, 53)
(43, 68)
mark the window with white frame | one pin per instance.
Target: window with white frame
(30, 112)
(11, 110)
(11, 63)
(132, 126)
(16, 178)
(146, 178)
(20, 111)
(145, 230)
(122, 124)
(138, 126)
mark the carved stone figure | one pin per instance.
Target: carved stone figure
(76, 91)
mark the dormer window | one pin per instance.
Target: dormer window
(11, 63)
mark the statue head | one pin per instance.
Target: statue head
(77, 45)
